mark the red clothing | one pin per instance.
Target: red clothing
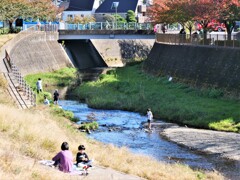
(65, 159)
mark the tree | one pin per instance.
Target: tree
(204, 12)
(168, 11)
(131, 16)
(82, 20)
(43, 9)
(10, 10)
(228, 13)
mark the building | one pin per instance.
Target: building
(80, 8)
(99, 8)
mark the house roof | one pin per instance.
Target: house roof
(80, 5)
(123, 7)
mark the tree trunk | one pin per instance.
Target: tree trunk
(11, 26)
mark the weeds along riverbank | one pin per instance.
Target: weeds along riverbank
(129, 88)
(35, 134)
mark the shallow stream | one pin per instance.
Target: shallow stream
(123, 128)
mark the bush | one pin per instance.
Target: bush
(89, 126)
(131, 16)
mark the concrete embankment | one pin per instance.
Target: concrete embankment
(197, 65)
(117, 52)
(38, 52)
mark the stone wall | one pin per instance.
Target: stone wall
(200, 66)
(39, 52)
(117, 52)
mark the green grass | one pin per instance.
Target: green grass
(131, 89)
(89, 126)
(60, 78)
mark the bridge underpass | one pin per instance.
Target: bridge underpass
(90, 49)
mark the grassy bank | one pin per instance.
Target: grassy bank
(131, 89)
(60, 78)
(31, 135)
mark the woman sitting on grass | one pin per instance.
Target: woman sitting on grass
(64, 159)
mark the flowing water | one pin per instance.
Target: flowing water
(123, 128)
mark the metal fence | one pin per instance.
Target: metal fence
(199, 39)
(22, 84)
(107, 26)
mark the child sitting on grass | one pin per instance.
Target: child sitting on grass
(82, 158)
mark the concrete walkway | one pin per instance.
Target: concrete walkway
(225, 144)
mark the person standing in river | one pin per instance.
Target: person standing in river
(150, 118)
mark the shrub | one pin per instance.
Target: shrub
(131, 16)
(89, 126)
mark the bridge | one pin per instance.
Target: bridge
(105, 30)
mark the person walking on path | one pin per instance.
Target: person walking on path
(39, 85)
(56, 96)
(150, 118)
(64, 159)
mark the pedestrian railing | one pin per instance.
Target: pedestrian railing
(107, 26)
(199, 39)
(20, 83)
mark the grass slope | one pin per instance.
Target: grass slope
(131, 89)
(27, 136)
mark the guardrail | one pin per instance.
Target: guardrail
(106, 26)
(22, 84)
(199, 40)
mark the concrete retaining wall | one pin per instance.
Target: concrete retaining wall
(116, 52)
(39, 52)
(201, 66)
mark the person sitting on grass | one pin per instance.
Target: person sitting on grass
(64, 159)
(46, 101)
(82, 158)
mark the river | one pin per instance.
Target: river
(122, 128)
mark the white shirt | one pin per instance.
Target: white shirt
(46, 102)
(39, 84)
(149, 115)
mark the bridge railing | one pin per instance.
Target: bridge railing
(199, 39)
(107, 26)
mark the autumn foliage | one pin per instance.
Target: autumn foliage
(201, 11)
(10, 10)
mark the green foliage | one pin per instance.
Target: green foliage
(226, 125)
(62, 77)
(131, 89)
(60, 112)
(131, 16)
(119, 18)
(89, 126)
